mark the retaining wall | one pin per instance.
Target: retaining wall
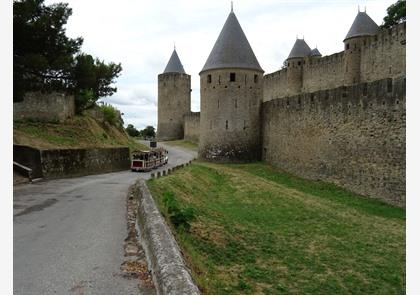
(53, 163)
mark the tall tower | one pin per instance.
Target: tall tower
(295, 62)
(362, 27)
(174, 100)
(231, 97)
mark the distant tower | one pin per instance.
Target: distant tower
(231, 97)
(295, 62)
(315, 53)
(174, 100)
(362, 27)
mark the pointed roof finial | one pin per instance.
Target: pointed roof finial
(365, 9)
(231, 6)
(358, 8)
(174, 46)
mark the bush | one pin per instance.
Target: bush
(179, 217)
(111, 114)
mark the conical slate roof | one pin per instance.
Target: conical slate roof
(232, 49)
(315, 52)
(174, 64)
(362, 25)
(300, 49)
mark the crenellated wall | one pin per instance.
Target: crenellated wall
(323, 72)
(383, 55)
(192, 126)
(352, 136)
(366, 59)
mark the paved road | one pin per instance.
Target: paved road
(69, 234)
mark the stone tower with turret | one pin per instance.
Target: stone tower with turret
(174, 100)
(231, 97)
(295, 62)
(362, 27)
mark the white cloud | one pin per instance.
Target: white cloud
(140, 35)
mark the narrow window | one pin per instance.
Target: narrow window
(347, 46)
(244, 124)
(227, 124)
(288, 64)
(255, 78)
(208, 78)
(299, 63)
(245, 79)
(218, 103)
(389, 85)
(232, 77)
(219, 79)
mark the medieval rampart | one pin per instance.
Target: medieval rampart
(381, 56)
(192, 126)
(352, 136)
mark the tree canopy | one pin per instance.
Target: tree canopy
(45, 59)
(132, 131)
(395, 14)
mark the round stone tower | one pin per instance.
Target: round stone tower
(174, 100)
(295, 62)
(231, 98)
(362, 27)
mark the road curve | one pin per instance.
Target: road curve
(68, 234)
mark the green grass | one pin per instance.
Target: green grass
(183, 143)
(261, 231)
(80, 132)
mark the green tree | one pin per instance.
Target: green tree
(149, 131)
(92, 80)
(132, 131)
(45, 59)
(395, 14)
(42, 53)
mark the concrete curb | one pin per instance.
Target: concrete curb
(169, 272)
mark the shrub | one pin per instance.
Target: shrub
(111, 114)
(179, 217)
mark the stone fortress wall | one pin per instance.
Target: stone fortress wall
(46, 107)
(338, 118)
(353, 136)
(381, 56)
(192, 126)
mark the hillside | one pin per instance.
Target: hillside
(79, 132)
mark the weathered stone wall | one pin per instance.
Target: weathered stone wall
(366, 59)
(383, 55)
(275, 85)
(352, 136)
(323, 72)
(230, 115)
(174, 101)
(75, 162)
(53, 163)
(192, 126)
(47, 107)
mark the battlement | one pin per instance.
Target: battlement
(380, 56)
(345, 98)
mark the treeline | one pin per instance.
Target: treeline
(148, 132)
(45, 59)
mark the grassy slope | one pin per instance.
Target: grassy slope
(80, 132)
(184, 144)
(260, 231)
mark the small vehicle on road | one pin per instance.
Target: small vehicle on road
(148, 160)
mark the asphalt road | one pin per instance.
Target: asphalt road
(68, 234)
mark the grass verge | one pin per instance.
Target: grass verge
(257, 230)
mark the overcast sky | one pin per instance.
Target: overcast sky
(141, 34)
